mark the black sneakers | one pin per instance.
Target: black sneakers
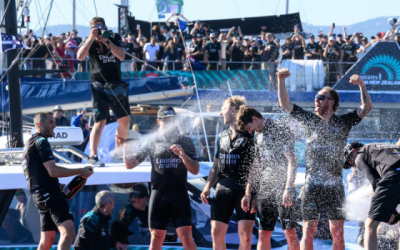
(95, 162)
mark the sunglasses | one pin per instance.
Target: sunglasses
(321, 97)
(18, 194)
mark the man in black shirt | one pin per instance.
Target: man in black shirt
(248, 52)
(287, 49)
(348, 54)
(212, 52)
(197, 29)
(94, 231)
(298, 47)
(42, 173)
(59, 117)
(272, 176)
(172, 155)
(229, 172)
(326, 135)
(108, 90)
(331, 55)
(381, 164)
(237, 54)
(133, 224)
(195, 50)
(312, 50)
(270, 52)
(181, 51)
(340, 40)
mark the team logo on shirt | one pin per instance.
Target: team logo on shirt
(238, 143)
(107, 59)
(168, 163)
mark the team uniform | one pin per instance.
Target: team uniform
(193, 48)
(248, 57)
(331, 68)
(234, 159)
(272, 143)
(324, 188)
(213, 54)
(169, 197)
(45, 190)
(348, 50)
(237, 56)
(93, 232)
(298, 50)
(106, 68)
(381, 164)
(312, 48)
(287, 48)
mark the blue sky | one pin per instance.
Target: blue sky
(315, 12)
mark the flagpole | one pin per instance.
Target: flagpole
(14, 84)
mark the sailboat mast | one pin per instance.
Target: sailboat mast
(73, 14)
(287, 7)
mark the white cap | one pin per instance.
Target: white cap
(246, 38)
(57, 107)
(331, 38)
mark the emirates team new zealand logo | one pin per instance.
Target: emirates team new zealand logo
(387, 67)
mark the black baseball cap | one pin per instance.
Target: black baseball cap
(340, 35)
(364, 39)
(348, 37)
(138, 191)
(325, 36)
(311, 36)
(347, 151)
(166, 111)
(320, 35)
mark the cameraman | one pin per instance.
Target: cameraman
(105, 56)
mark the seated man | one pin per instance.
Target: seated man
(133, 219)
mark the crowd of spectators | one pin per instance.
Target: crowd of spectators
(168, 49)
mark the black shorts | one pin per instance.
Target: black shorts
(101, 104)
(386, 197)
(328, 199)
(223, 203)
(53, 208)
(269, 208)
(169, 205)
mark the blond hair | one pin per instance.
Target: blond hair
(236, 101)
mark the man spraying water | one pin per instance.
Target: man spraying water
(326, 136)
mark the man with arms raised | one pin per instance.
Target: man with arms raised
(326, 136)
(229, 172)
(172, 155)
(42, 173)
(272, 176)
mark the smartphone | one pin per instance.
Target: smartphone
(333, 25)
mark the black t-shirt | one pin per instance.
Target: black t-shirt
(323, 46)
(272, 54)
(138, 51)
(234, 158)
(287, 48)
(36, 152)
(376, 160)
(298, 50)
(103, 63)
(237, 53)
(256, 56)
(340, 44)
(201, 31)
(331, 56)
(272, 143)
(349, 50)
(324, 144)
(180, 48)
(248, 49)
(312, 48)
(168, 170)
(195, 47)
(213, 50)
(228, 56)
(130, 50)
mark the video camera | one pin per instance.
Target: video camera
(103, 31)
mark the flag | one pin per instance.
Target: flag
(196, 64)
(72, 44)
(183, 24)
(9, 42)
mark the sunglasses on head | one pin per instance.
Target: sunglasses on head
(321, 97)
(18, 194)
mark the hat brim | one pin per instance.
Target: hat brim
(165, 116)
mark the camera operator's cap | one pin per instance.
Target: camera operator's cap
(57, 107)
(347, 151)
(139, 191)
(348, 37)
(166, 111)
(213, 35)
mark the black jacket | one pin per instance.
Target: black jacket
(94, 232)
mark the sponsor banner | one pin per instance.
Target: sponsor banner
(379, 69)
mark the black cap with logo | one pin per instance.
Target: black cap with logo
(166, 111)
(347, 151)
(138, 191)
